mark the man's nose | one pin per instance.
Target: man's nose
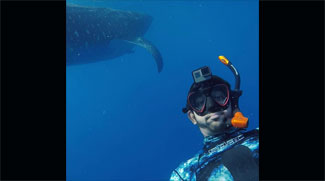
(211, 104)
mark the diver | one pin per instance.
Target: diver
(229, 152)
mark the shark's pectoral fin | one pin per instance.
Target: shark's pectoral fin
(152, 49)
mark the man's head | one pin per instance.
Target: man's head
(209, 106)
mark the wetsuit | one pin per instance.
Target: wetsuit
(232, 156)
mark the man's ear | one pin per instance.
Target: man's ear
(191, 117)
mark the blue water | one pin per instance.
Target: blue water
(124, 119)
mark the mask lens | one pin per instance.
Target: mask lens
(220, 94)
(197, 101)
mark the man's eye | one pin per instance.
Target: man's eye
(199, 100)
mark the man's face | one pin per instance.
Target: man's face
(212, 123)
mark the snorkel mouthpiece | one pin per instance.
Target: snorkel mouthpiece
(239, 121)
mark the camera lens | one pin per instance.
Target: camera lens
(197, 74)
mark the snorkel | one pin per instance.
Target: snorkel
(238, 121)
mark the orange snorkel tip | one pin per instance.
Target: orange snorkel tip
(223, 59)
(239, 121)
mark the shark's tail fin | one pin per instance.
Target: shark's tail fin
(152, 49)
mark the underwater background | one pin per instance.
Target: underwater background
(125, 120)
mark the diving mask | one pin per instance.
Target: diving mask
(209, 99)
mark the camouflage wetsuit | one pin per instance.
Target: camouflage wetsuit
(227, 157)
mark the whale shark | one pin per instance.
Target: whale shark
(96, 34)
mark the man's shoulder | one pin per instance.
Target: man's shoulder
(252, 139)
(184, 170)
(188, 163)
